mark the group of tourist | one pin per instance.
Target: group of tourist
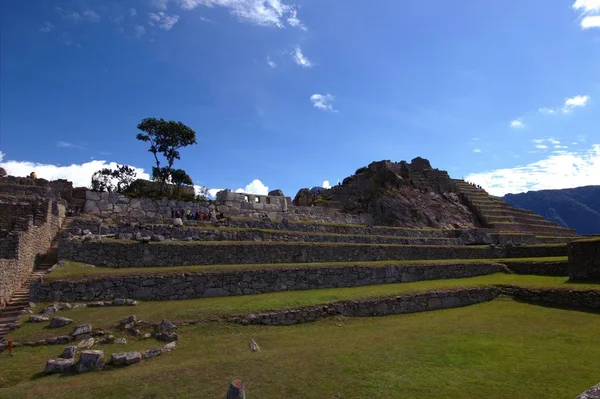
(75, 212)
(188, 214)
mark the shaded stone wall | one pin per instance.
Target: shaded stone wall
(118, 253)
(409, 303)
(19, 248)
(584, 259)
(579, 299)
(119, 206)
(195, 285)
(540, 268)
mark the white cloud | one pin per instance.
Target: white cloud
(258, 12)
(47, 27)
(517, 124)
(79, 174)
(323, 101)
(1, 156)
(553, 141)
(271, 63)
(68, 15)
(541, 146)
(162, 20)
(564, 170)
(590, 10)
(561, 147)
(159, 4)
(91, 15)
(577, 101)
(590, 22)
(477, 151)
(66, 144)
(139, 31)
(133, 12)
(212, 192)
(569, 105)
(300, 59)
(254, 187)
(326, 184)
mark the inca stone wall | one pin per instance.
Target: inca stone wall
(113, 205)
(584, 259)
(118, 253)
(29, 238)
(409, 303)
(195, 285)
(578, 299)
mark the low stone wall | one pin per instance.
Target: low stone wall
(19, 248)
(118, 253)
(409, 303)
(578, 299)
(196, 285)
(584, 259)
(119, 206)
(539, 268)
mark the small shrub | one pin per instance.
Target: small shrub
(361, 170)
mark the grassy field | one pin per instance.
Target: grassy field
(80, 271)
(496, 350)
(213, 308)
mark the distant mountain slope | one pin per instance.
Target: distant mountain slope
(577, 208)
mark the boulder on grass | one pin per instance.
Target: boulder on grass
(58, 365)
(125, 358)
(120, 341)
(169, 347)
(166, 325)
(150, 353)
(86, 343)
(37, 318)
(57, 322)
(128, 320)
(82, 329)
(69, 352)
(236, 390)
(167, 337)
(90, 361)
(254, 346)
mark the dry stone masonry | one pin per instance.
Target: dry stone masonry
(584, 259)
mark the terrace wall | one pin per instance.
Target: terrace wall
(29, 238)
(117, 253)
(584, 259)
(195, 285)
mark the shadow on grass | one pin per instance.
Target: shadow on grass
(557, 306)
(584, 282)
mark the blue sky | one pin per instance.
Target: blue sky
(503, 92)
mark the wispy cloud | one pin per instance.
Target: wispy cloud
(271, 63)
(258, 12)
(66, 144)
(323, 101)
(47, 27)
(159, 4)
(570, 104)
(162, 20)
(517, 124)
(564, 170)
(133, 12)
(91, 16)
(300, 59)
(139, 31)
(477, 150)
(590, 13)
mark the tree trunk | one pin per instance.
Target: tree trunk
(236, 390)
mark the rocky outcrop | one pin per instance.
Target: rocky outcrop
(396, 194)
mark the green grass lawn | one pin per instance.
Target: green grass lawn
(496, 350)
(212, 308)
(80, 271)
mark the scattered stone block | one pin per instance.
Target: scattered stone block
(69, 352)
(37, 318)
(169, 347)
(57, 322)
(58, 365)
(146, 336)
(150, 353)
(128, 320)
(79, 305)
(90, 360)
(125, 358)
(98, 304)
(254, 346)
(124, 302)
(49, 310)
(167, 336)
(82, 329)
(108, 339)
(120, 341)
(64, 306)
(166, 325)
(86, 343)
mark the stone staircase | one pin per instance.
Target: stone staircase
(496, 214)
(19, 303)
